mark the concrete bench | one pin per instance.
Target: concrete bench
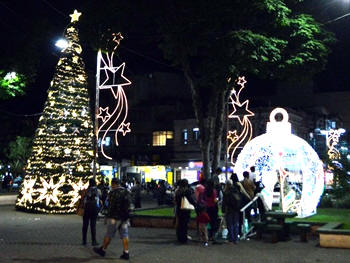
(259, 228)
(276, 231)
(304, 229)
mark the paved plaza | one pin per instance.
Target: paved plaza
(43, 238)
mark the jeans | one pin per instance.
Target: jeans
(92, 219)
(232, 222)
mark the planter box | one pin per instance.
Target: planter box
(331, 236)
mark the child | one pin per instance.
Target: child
(202, 221)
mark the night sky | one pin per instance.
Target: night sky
(18, 20)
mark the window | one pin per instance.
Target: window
(185, 136)
(195, 132)
(160, 137)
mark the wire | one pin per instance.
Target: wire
(54, 8)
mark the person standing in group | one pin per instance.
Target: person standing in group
(182, 215)
(211, 205)
(230, 207)
(136, 194)
(91, 198)
(117, 218)
(252, 175)
(202, 220)
(248, 184)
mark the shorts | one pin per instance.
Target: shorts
(113, 225)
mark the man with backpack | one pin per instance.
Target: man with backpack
(117, 218)
(91, 200)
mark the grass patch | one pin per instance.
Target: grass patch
(325, 215)
(166, 211)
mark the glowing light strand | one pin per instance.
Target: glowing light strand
(120, 112)
(235, 139)
(332, 139)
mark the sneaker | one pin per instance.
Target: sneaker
(94, 244)
(125, 256)
(99, 251)
(83, 243)
(189, 237)
(205, 244)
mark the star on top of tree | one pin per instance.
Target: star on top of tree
(125, 128)
(104, 114)
(75, 16)
(112, 80)
(241, 110)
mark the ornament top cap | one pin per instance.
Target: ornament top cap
(75, 16)
(279, 127)
(282, 111)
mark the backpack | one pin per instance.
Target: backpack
(91, 199)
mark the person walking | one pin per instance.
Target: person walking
(117, 218)
(211, 205)
(182, 215)
(230, 207)
(92, 203)
(248, 184)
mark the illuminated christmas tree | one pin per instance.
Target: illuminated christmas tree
(62, 155)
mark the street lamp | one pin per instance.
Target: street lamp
(61, 43)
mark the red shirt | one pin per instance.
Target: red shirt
(203, 218)
(210, 201)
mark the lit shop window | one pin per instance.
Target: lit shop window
(185, 136)
(160, 137)
(195, 132)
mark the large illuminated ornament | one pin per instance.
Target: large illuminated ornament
(236, 140)
(332, 139)
(282, 158)
(112, 79)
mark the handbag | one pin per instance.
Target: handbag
(185, 205)
(80, 211)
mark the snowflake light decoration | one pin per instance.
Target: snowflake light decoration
(282, 158)
(50, 191)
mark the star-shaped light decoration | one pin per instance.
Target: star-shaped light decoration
(117, 38)
(63, 128)
(49, 192)
(125, 128)
(103, 114)
(115, 82)
(77, 187)
(241, 81)
(232, 135)
(75, 16)
(242, 110)
(27, 191)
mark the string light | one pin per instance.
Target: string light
(332, 140)
(281, 157)
(236, 140)
(113, 80)
(62, 147)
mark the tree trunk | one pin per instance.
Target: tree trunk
(205, 123)
(219, 128)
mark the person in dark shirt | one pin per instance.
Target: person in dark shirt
(182, 215)
(117, 218)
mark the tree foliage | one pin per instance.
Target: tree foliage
(18, 152)
(216, 41)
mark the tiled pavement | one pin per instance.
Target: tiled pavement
(30, 238)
